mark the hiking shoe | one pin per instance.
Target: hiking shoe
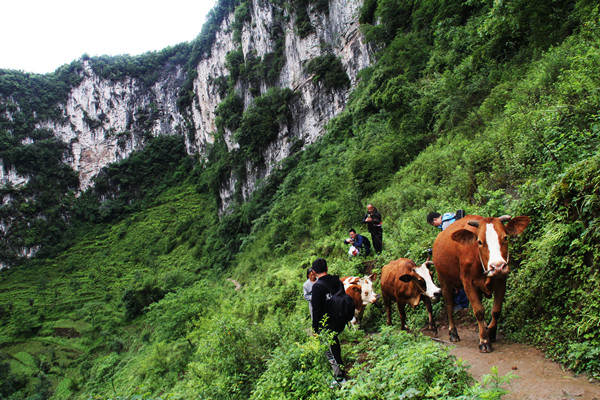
(337, 383)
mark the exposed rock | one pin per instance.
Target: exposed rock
(104, 120)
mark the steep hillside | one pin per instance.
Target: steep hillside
(486, 106)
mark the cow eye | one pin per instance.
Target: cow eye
(480, 242)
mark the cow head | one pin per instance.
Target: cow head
(491, 237)
(422, 277)
(366, 284)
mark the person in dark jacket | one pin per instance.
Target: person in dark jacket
(373, 221)
(325, 286)
(361, 243)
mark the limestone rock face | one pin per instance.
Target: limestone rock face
(104, 120)
(337, 33)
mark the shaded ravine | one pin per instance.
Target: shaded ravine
(537, 377)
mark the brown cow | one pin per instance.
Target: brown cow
(473, 253)
(405, 283)
(361, 291)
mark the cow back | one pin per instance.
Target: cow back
(391, 285)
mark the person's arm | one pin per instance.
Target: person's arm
(307, 292)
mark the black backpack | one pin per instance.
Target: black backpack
(340, 308)
(366, 243)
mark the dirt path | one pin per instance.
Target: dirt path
(538, 377)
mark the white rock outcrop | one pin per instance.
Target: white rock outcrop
(104, 120)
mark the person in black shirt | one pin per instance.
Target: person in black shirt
(373, 221)
(322, 290)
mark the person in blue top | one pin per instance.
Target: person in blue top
(442, 222)
(361, 243)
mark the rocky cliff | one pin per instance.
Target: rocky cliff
(103, 119)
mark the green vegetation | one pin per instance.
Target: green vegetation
(487, 106)
(329, 70)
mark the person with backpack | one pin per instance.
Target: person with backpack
(361, 244)
(327, 296)
(441, 221)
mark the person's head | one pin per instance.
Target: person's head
(319, 266)
(370, 208)
(309, 271)
(434, 218)
(352, 234)
(310, 274)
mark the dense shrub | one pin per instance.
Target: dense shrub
(329, 70)
(565, 321)
(262, 122)
(135, 300)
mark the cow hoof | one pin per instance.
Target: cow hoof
(453, 335)
(485, 347)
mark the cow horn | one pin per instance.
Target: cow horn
(474, 223)
(428, 262)
(505, 218)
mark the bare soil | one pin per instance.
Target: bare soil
(537, 376)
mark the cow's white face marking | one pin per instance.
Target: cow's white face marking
(430, 289)
(368, 296)
(493, 243)
(366, 288)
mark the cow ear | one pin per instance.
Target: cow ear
(372, 277)
(406, 278)
(464, 236)
(517, 225)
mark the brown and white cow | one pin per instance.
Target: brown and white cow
(473, 253)
(405, 283)
(361, 291)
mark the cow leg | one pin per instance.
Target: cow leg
(448, 294)
(485, 346)
(358, 314)
(499, 291)
(402, 311)
(387, 303)
(431, 326)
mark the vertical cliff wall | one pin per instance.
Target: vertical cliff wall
(104, 120)
(107, 114)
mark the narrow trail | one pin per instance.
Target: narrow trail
(538, 377)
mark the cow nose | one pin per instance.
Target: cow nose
(499, 268)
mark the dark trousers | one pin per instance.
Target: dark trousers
(334, 355)
(377, 238)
